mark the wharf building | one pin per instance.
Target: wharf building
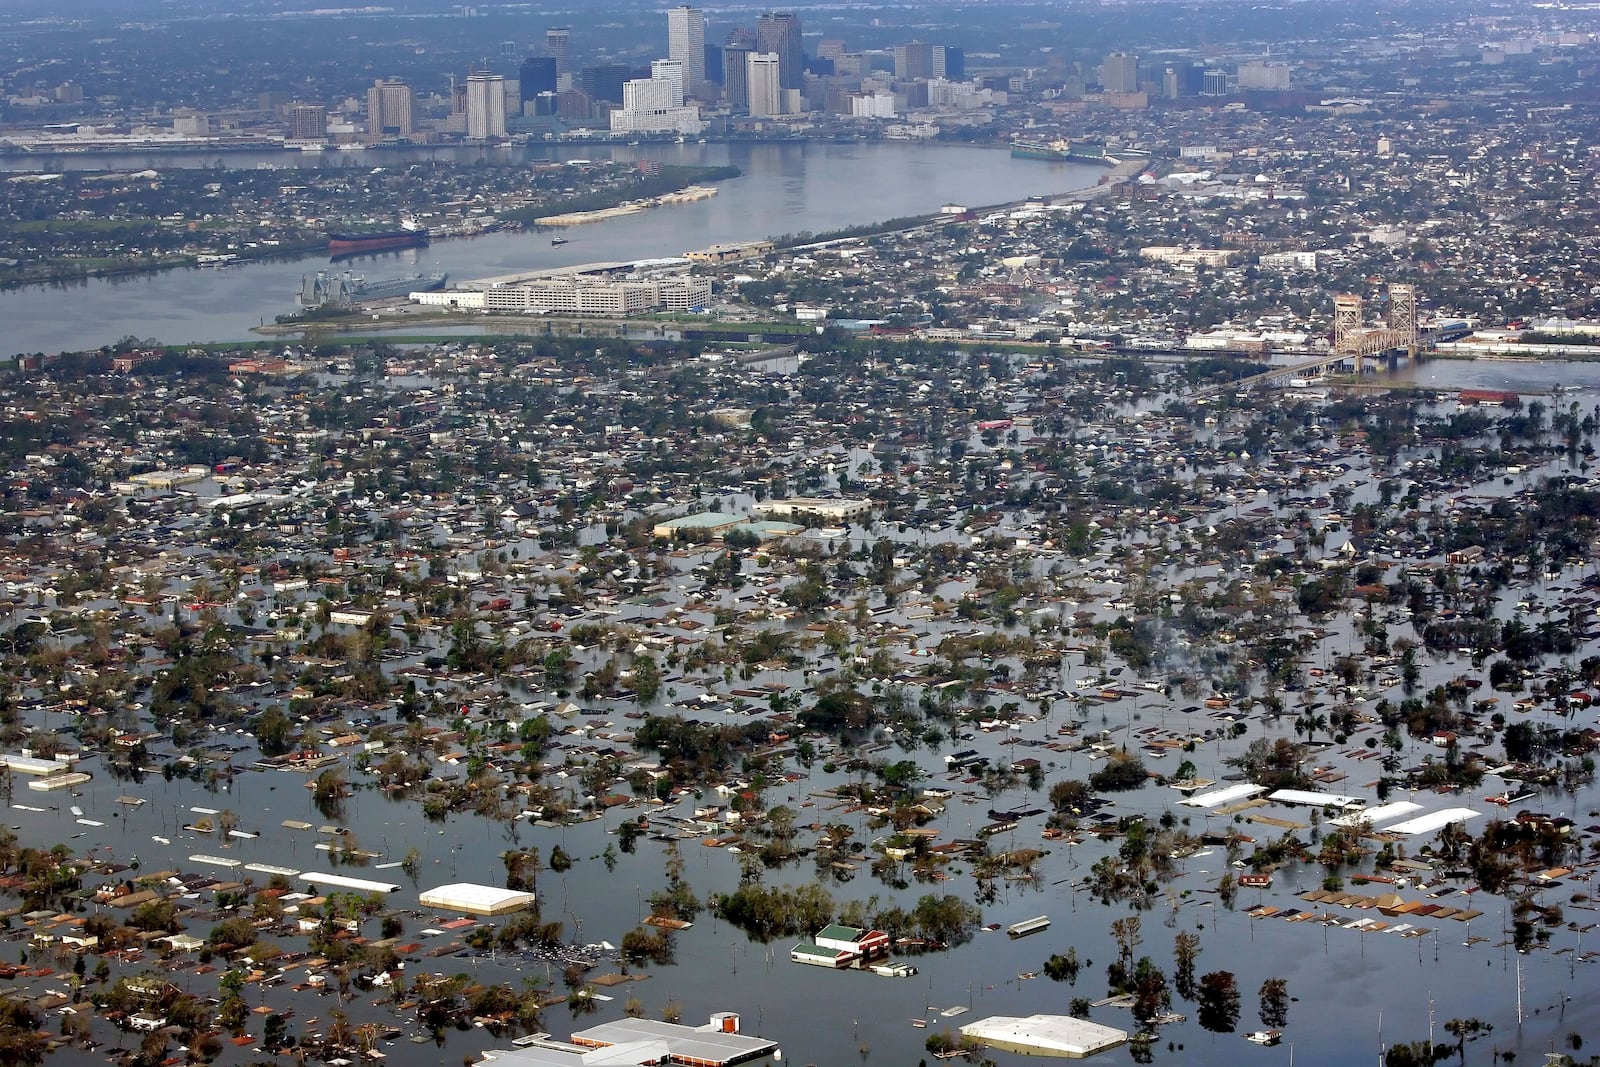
(611, 289)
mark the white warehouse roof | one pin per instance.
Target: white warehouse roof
(1379, 815)
(1048, 1035)
(475, 899)
(1315, 799)
(1433, 821)
(1227, 793)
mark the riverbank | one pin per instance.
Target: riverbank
(601, 205)
(687, 195)
(84, 269)
(76, 245)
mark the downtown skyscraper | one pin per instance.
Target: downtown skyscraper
(686, 44)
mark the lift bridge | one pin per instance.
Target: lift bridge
(1355, 340)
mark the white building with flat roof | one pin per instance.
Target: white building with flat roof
(1045, 1035)
(656, 104)
(474, 899)
(830, 509)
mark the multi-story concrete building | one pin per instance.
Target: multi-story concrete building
(308, 122)
(1264, 74)
(580, 295)
(486, 106)
(764, 81)
(656, 104)
(389, 108)
(736, 75)
(558, 42)
(913, 60)
(686, 45)
(778, 33)
(1119, 73)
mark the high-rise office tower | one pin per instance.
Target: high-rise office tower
(713, 54)
(558, 41)
(389, 105)
(913, 60)
(308, 122)
(736, 75)
(778, 33)
(537, 75)
(671, 72)
(604, 81)
(686, 43)
(950, 63)
(1119, 73)
(764, 77)
(486, 106)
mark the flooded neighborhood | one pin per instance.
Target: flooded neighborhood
(453, 693)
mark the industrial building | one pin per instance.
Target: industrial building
(1045, 1035)
(470, 898)
(593, 289)
(727, 253)
(827, 509)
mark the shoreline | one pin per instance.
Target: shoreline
(508, 221)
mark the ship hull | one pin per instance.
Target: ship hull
(345, 244)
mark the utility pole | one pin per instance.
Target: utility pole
(1519, 992)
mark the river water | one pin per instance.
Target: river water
(785, 188)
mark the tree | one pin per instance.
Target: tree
(1150, 993)
(1185, 950)
(1059, 968)
(1275, 1003)
(646, 679)
(1071, 796)
(1219, 1002)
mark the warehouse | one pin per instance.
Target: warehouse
(1045, 1035)
(471, 898)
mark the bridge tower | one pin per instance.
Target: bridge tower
(1403, 311)
(1349, 318)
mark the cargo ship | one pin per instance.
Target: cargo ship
(373, 237)
(326, 288)
(1062, 151)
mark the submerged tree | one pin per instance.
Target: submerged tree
(1275, 1003)
(1219, 1002)
(1185, 950)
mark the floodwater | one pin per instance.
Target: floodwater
(1343, 979)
